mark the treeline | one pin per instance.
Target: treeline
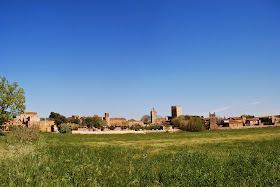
(63, 126)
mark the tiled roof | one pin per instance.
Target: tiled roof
(252, 119)
(30, 112)
(235, 117)
(234, 122)
(265, 117)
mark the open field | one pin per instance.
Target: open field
(233, 157)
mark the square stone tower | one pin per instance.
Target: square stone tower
(213, 121)
(176, 111)
(153, 116)
(107, 118)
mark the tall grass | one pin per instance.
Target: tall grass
(231, 158)
(26, 134)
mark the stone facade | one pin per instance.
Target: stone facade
(29, 116)
(117, 121)
(43, 125)
(107, 118)
(153, 116)
(213, 121)
(135, 123)
(176, 111)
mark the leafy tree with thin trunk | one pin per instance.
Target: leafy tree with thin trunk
(12, 100)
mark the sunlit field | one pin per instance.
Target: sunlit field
(231, 157)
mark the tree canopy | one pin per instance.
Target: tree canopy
(146, 119)
(94, 122)
(58, 119)
(54, 115)
(12, 100)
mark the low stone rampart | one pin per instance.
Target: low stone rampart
(250, 127)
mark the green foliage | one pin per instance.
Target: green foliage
(74, 120)
(26, 133)
(54, 115)
(153, 127)
(248, 116)
(58, 119)
(12, 127)
(95, 121)
(189, 123)
(112, 127)
(210, 158)
(12, 100)
(75, 126)
(195, 124)
(65, 128)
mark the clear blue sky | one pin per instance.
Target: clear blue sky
(126, 57)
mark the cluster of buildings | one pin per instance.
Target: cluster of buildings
(31, 118)
(242, 122)
(27, 119)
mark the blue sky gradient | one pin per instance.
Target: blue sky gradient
(126, 57)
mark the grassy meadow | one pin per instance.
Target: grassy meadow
(246, 157)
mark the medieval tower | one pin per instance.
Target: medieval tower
(213, 121)
(107, 118)
(176, 111)
(153, 116)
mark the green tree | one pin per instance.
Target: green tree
(65, 128)
(54, 115)
(12, 100)
(58, 119)
(88, 121)
(74, 120)
(94, 121)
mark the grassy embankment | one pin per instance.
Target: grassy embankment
(232, 157)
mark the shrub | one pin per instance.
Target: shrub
(26, 133)
(195, 124)
(75, 126)
(189, 123)
(65, 128)
(124, 127)
(112, 127)
(13, 127)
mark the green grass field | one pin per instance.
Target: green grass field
(232, 157)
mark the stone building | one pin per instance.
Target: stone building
(107, 119)
(27, 117)
(176, 111)
(135, 123)
(117, 122)
(14, 121)
(153, 116)
(213, 121)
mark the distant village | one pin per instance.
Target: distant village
(28, 119)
